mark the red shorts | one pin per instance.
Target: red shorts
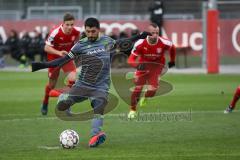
(149, 76)
(53, 73)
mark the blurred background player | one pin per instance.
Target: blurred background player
(156, 14)
(236, 97)
(12, 45)
(148, 57)
(58, 44)
(36, 46)
(2, 59)
(24, 45)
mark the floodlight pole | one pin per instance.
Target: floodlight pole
(212, 38)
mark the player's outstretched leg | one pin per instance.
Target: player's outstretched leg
(134, 101)
(51, 84)
(149, 94)
(97, 135)
(97, 139)
(229, 109)
(143, 101)
(44, 107)
(236, 97)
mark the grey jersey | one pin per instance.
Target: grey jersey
(95, 60)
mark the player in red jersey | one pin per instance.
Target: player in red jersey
(148, 57)
(236, 97)
(58, 44)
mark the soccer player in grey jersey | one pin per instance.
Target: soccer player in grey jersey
(94, 52)
(95, 59)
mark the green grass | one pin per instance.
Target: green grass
(208, 134)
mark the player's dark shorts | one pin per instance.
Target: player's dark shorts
(76, 94)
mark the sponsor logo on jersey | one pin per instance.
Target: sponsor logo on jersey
(96, 51)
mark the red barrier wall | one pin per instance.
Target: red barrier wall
(181, 32)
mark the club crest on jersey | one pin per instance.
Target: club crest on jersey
(73, 38)
(159, 50)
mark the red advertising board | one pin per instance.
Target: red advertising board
(181, 32)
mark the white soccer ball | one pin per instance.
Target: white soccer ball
(69, 139)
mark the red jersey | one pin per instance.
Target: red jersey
(146, 52)
(60, 41)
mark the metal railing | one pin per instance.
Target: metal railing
(109, 9)
(10, 14)
(53, 12)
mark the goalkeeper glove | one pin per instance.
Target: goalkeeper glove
(171, 64)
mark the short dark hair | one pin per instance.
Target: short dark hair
(154, 25)
(68, 17)
(92, 22)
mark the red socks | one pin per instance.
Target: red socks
(235, 98)
(135, 97)
(46, 96)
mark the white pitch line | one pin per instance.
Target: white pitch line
(49, 148)
(115, 115)
(19, 114)
(28, 119)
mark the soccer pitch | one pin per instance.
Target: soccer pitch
(204, 133)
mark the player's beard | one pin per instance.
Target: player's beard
(92, 39)
(153, 40)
